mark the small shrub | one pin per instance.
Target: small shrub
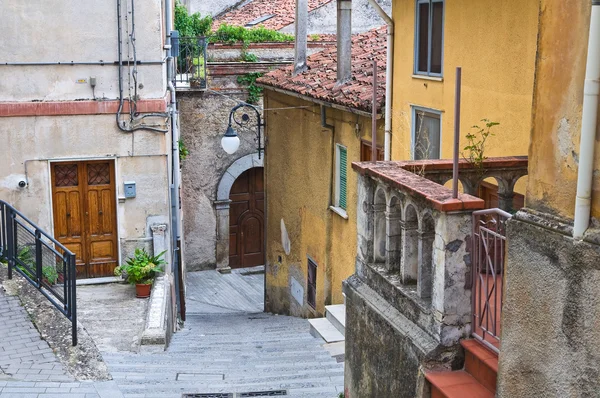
(183, 151)
(191, 25)
(236, 34)
(476, 143)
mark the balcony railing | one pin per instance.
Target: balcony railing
(41, 260)
(191, 63)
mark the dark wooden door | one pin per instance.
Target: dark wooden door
(84, 207)
(246, 220)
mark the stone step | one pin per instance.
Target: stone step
(321, 327)
(336, 314)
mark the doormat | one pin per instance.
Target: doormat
(272, 393)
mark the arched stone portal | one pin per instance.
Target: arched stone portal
(222, 204)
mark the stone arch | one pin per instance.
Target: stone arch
(379, 225)
(394, 233)
(222, 205)
(426, 258)
(410, 244)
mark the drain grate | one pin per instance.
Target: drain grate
(272, 393)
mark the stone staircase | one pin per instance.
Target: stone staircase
(232, 353)
(331, 329)
(476, 380)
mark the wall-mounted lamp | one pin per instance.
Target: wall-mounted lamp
(230, 141)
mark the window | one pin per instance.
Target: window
(311, 292)
(366, 151)
(341, 172)
(429, 37)
(426, 134)
(258, 20)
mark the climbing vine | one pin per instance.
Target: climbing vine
(249, 81)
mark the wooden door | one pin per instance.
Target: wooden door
(84, 207)
(246, 220)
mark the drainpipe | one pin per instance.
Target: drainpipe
(388, 78)
(301, 36)
(589, 116)
(344, 41)
(174, 153)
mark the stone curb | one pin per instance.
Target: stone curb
(155, 330)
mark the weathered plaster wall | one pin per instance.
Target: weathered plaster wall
(495, 44)
(298, 169)
(324, 19)
(560, 74)
(140, 157)
(210, 7)
(204, 117)
(78, 31)
(551, 314)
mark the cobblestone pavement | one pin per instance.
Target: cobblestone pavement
(222, 348)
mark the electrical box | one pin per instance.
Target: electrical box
(129, 189)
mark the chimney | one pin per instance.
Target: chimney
(344, 40)
(301, 36)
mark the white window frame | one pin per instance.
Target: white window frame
(416, 44)
(415, 110)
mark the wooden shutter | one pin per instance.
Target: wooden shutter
(343, 177)
(311, 293)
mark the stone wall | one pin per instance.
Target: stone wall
(204, 117)
(551, 315)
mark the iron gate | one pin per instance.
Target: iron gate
(488, 251)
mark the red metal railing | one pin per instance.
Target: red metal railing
(488, 251)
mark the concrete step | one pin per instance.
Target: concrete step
(336, 314)
(321, 327)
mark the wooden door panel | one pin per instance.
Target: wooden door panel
(246, 215)
(84, 207)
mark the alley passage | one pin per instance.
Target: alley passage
(226, 346)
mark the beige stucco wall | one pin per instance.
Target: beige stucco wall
(495, 44)
(78, 31)
(560, 74)
(298, 170)
(139, 157)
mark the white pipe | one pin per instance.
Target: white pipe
(388, 78)
(589, 119)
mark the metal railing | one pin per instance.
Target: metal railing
(41, 260)
(488, 251)
(191, 63)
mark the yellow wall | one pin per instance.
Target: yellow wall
(298, 171)
(560, 74)
(495, 44)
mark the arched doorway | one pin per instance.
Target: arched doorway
(246, 220)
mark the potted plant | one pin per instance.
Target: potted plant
(140, 271)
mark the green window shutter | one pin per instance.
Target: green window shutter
(343, 177)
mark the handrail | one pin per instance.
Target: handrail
(43, 261)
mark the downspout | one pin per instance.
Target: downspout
(329, 242)
(174, 154)
(388, 78)
(589, 116)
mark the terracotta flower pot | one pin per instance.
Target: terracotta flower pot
(142, 290)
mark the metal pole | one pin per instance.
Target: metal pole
(456, 132)
(72, 281)
(10, 240)
(374, 115)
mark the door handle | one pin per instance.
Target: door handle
(100, 212)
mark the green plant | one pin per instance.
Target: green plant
(254, 91)
(141, 268)
(314, 37)
(476, 143)
(191, 25)
(235, 34)
(341, 395)
(183, 151)
(49, 273)
(249, 57)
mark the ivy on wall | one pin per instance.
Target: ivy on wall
(249, 81)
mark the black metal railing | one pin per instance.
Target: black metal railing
(41, 260)
(191, 63)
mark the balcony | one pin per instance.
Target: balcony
(191, 63)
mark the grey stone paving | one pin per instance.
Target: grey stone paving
(209, 292)
(226, 345)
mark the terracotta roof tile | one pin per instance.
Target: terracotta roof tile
(283, 11)
(319, 81)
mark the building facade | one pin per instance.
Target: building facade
(84, 118)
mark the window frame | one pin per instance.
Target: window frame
(414, 111)
(416, 70)
(338, 149)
